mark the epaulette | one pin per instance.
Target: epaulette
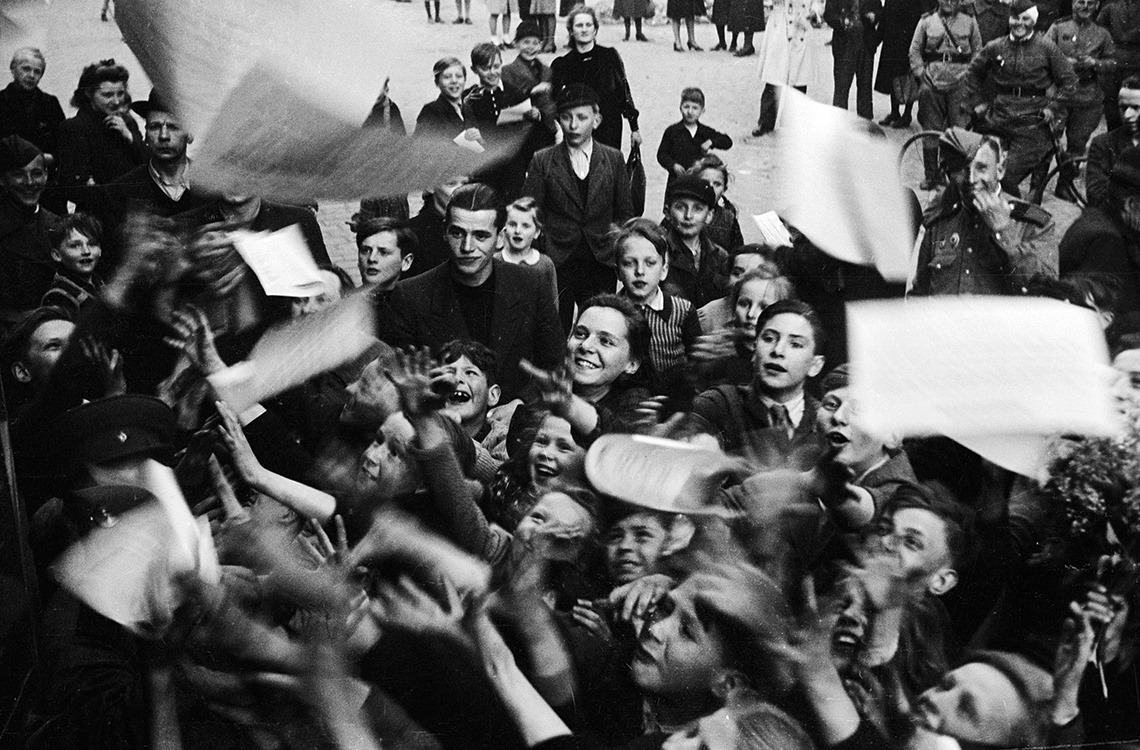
(1030, 214)
(928, 13)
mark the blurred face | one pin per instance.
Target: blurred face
(330, 292)
(78, 253)
(715, 177)
(1021, 25)
(754, 297)
(1129, 102)
(850, 445)
(973, 703)
(110, 98)
(691, 112)
(633, 546)
(450, 82)
(742, 264)
(717, 731)
(918, 537)
(371, 398)
(44, 347)
(442, 193)
(583, 30)
(472, 397)
(165, 138)
(641, 269)
(490, 74)
(1083, 9)
(785, 355)
(851, 624)
(379, 262)
(27, 72)
(25, 186)
(528, 47)
(521, 230)
(578, 124)
(950, 7)
(553, 452)
(559, 520)
(386, 461)
(986, 171)
(473, 238)
(689, 216)
(676, 652)
(1126, 386)
(599, 347)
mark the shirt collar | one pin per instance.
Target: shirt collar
(1025, 40)
(175, 188)
(658, 301)
(586, 149)
(795, 407)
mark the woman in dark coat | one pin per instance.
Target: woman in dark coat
(899, 19)
(600, 68)
(102, 141)
(745, 17)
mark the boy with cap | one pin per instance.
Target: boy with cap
(698, 267)
(26, 269)
(583, 190)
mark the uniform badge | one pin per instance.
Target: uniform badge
(122, 436)
(954, 240)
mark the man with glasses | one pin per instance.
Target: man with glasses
(26, 269)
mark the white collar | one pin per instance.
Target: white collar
(658, 301)
(795, 407)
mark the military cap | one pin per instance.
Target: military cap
(110, 429)
(16, 153)
(1020, 6)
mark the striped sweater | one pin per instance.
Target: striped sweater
(672, 332)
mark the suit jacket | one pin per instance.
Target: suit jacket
(1103, 152)
(424, 312)
(1099, 243)
(738, 418)
(572, 226)
(519, 76)
(440, 120)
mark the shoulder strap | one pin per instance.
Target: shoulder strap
(949, 33)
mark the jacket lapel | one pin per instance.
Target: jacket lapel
(564, 174)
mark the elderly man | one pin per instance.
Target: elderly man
(1021, 68)
(475, 296)
(978, 239)
(26, 270)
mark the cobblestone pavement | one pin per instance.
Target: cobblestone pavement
(72, 36)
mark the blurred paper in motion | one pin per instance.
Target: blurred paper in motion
(298, 349)
(840, 186)
(997, 374)
(281, 261)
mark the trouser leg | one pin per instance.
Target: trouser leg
(1027, 147)
(842, 49)
(864, 73)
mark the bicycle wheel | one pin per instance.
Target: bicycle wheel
(918, 162)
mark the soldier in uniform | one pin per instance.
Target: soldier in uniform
(1090, 49)
(944, 43)
(978, 239)
(1021, 67)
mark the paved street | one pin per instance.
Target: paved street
(72, 36)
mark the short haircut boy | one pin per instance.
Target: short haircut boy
(483, 54)
(693, 94)
(405, 237)
(647, 230)
(85, 224)
(795, 307)
(478, 354)
(937, 498)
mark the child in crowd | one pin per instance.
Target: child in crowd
(522, 230)
(642, 257)
(720, 313)
(684, 142)
(76, 247)
(385, 248)
(698, 267)
(724, 224)
(473, 367)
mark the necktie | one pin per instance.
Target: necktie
(781, 420)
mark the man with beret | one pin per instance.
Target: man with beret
(698, 267)
(582, 187)
(979, 240)
(26, 268)
(1105, 239)
(1021, 68)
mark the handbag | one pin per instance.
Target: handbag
(635, 172)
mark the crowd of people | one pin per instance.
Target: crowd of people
(476, 533)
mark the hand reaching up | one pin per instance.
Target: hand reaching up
(422, 384)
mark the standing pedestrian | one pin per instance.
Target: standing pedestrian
(896, 29)
(786, 56)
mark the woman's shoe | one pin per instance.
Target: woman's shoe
(677, 47)
(890, 119)
(693, 46)
(642, 38)
(745, 52)
(719, 47)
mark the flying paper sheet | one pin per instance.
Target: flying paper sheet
(840, 186)
(281, 261)
(127, 570)
(995, 373)
(291, 353)
(515, 113)
(772, 230)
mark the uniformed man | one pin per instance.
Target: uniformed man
(978, 239)
(1090, 50)
(1021, 68)
(944, 42)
